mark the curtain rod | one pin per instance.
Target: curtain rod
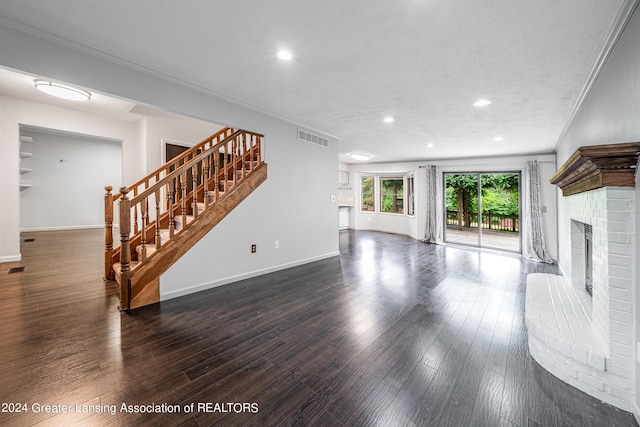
(545, 161)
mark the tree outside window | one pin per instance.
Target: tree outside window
(368, 204)
(392, 195)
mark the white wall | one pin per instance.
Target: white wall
(610, 114)
(415, 226)
(16, 112)
(293, 206)
(68, 177)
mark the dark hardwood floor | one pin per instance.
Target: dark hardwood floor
(391, 333)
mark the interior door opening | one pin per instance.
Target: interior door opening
(483, 210)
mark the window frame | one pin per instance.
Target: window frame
(372, 193)
(411, 194)
(398, 195)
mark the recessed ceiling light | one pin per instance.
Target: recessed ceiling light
(62, 91)
(285, 55)
(359, 156)
(498, 139)
(481, 103)
(429, 145)
(388, 119)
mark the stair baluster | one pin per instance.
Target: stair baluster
(194, 192)
(143, 235)
(234, 159)
(170, 201)
(244, 153)
(216, 176)
(205, 181)
(157, 230)
(225, 167)
(135, 214)
(183, 200)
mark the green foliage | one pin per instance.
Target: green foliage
(367, 193)
(392, 195)
(499, 201)
(500, 192)
(367, 184)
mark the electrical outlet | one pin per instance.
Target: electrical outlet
(277, 244)
(253, 248)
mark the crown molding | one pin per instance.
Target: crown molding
(619, 24)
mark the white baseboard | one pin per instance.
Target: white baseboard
(10, 258)
(221, 282)
(61, 228)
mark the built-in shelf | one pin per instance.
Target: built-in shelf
(25, 155)
(598, 166)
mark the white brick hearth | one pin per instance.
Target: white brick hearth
(589, 342)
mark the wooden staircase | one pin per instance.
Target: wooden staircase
(162, 215)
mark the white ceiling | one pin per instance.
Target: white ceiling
(422, 61)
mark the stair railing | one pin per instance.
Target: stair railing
(163, 198)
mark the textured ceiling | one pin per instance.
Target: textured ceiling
(422, 61)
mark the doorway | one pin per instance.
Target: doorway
(173, 149)
(483, 210)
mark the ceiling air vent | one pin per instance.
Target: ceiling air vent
(303, 135)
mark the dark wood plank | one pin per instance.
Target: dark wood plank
(393, 332)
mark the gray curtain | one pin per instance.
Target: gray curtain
(535, 246)
(433, 231)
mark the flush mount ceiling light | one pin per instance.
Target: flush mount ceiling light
(481, 103)
(388, 119)
(498, 139)
(359, 156)
(62, 91)
(284, 54)
(429, 145)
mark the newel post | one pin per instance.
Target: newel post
(125, 251)
(108, 232)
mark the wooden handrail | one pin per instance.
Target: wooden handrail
(182, 169)
(176, 160)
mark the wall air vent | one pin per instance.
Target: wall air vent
(303, 135)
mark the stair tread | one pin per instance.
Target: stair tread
(178, 222)
(150, 250)
(117, 268)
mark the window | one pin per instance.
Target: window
(410, 196)
(392, 194)
(368, 204)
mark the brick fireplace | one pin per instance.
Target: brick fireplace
(588, 341)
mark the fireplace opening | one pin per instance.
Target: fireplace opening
(588, 259)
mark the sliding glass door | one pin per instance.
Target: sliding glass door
(483, 210)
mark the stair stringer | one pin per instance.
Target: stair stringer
(143, 281)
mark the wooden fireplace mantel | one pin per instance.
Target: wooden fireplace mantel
(598, 166)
